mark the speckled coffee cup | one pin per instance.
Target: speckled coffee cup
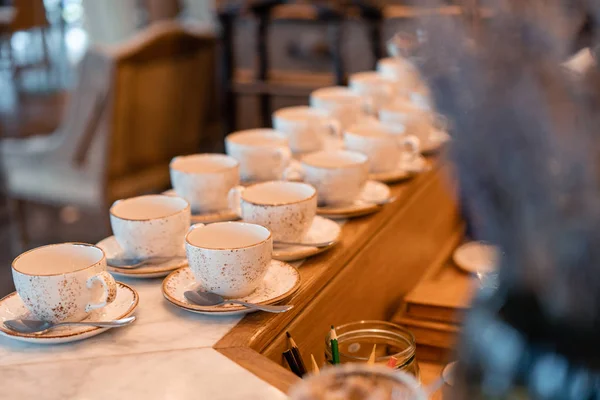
(338, 175)
(63, 282)
(384, 148)
(287, 209)
(341, 104)
(204, 180)
(305, 127)
(263, 154)
(229, 258)
(151, 226)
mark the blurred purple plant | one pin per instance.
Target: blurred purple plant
(526, 149)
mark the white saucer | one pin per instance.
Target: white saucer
(373, 192)
(207, 218)
(11, 307)
(404, 170)
(321, 230)
(112, 249)
(280, 282)
(476, 257)
(438, 139)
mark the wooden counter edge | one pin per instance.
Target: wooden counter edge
(259, 365)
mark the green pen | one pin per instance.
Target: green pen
(335, 351)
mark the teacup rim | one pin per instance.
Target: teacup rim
(312, 112)
(280, 135)
(197, 155)
(187, 242)
(365, 158)
(318, 93)
(12, 265)
(369, 76)
(187, 207)
(314, 194)
(386, 132)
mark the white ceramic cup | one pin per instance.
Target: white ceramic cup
(306, 128)
(402, 71)
(229, 258)
(384, 149)
(204, 180)
(287, 209)
(263, 154)
(405, 117)
(63, 282)
(338, 175)
(376, 88)
(342, 104)
(151, 226)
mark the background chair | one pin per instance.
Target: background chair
(135, 107)
(24, 15)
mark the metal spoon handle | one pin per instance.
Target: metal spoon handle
(125, 263)
(106, 324)
(322, 244)
(263, 307)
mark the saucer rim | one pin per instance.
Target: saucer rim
(210, 217)
(146, 270)
(356, 211)
(399, 174)
(309, 251)
(43, 337)
(234, 308)
(461, 249)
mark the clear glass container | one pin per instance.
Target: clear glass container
(356, 340)
(358, 382)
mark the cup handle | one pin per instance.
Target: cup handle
(293, 173)
(234, 199)
(110, 290)
(410, 146)
(285, 155)
(335, 128)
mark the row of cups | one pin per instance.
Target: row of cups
(384, 114)
(68, 281)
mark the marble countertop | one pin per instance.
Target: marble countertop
(166, 354)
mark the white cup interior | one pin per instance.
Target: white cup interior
(300, 113)
(370, 79)
(203, 163)
(334, 159)
(227, 235)
(148, 207)
(58, 259)
(278, 193)
(258, 137)
(371, 129)
(336, 95)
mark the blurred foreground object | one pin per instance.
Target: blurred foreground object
(526, 151)
(358, 382)
(135, 108)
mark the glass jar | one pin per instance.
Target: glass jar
(358, 381)
(356, 340)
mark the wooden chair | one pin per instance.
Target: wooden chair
(24, 15)
(135, 107)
